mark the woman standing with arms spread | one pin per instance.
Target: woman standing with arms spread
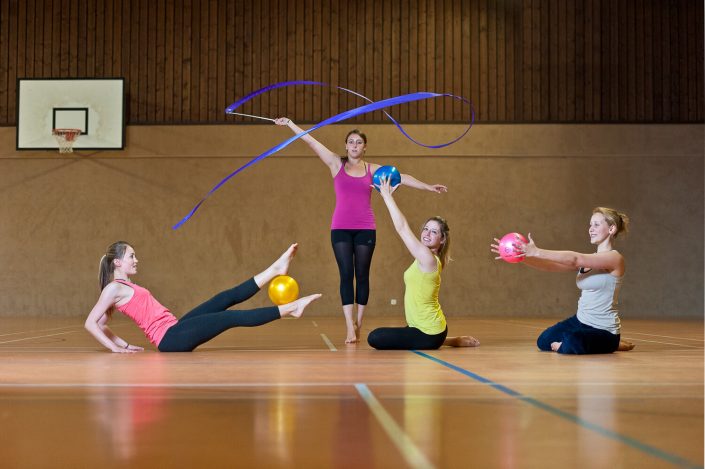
(353, 228)
(596, 327)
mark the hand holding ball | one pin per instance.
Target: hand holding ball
(510, 247)
(283, 289)
(386, 172)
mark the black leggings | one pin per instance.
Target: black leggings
(405, 338)
(211, 318)
(353, 251)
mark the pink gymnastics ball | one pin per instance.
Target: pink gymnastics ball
(508, 247)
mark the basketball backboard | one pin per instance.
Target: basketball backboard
(94, 105)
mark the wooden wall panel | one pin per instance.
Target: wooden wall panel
(4, 61)
(518, 61)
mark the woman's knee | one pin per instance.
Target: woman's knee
(544, 341)
(374, 339)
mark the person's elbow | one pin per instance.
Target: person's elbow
(90, 325)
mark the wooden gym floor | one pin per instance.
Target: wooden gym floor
(290, 394)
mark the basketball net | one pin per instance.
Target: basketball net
(65, 138)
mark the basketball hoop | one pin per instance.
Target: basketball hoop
(66, 138)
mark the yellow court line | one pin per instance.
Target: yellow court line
(411, 453)
(328, 343)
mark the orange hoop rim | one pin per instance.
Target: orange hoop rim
(68, 134)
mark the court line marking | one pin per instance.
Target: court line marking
(700, 347)
(411, 453)
(35, 337)
(328, 343)
(629, 441)
(78, 326)
(40, 330)
(667, 336)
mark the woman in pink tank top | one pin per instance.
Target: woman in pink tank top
(162, 328)
(353, 230)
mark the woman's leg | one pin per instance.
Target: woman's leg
(588, 340)
(189, 333)
(278, 267)
(245, 290)
(625, 345)
(342, 242)
(461, 341)
(404, 338)
(224, 300)
(364, 241)
(556, 333)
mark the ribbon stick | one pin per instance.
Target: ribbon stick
(250, 115)
(373, 106)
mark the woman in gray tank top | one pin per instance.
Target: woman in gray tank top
(595, 328)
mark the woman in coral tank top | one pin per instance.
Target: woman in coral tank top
(162, 328)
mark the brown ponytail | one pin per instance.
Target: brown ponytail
(105, 271)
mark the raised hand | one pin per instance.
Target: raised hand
(385, 187)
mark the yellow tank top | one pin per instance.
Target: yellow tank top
(421, 306)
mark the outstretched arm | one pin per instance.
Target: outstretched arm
(328, 157)
(427, 261)
(534, 263)
(96, 323)
(411, 181)
(547, 266)
(611, 261)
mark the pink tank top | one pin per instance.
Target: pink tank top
(353, 207)
(153, 318)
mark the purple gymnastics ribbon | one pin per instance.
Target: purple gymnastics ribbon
(373, 106)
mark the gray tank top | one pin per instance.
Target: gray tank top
(597, 306)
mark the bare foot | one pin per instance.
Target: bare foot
(625, 346)
(296, 308)
(281, 265)
(358, 329)
(462, 341)
(555, 346)
(352, 337)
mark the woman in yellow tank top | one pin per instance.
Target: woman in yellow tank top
(426, 327)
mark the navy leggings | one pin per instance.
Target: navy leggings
(353, 251)
(405, 338)
(578, 338)
(211, 318)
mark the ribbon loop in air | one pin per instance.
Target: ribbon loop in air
(373, 106)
